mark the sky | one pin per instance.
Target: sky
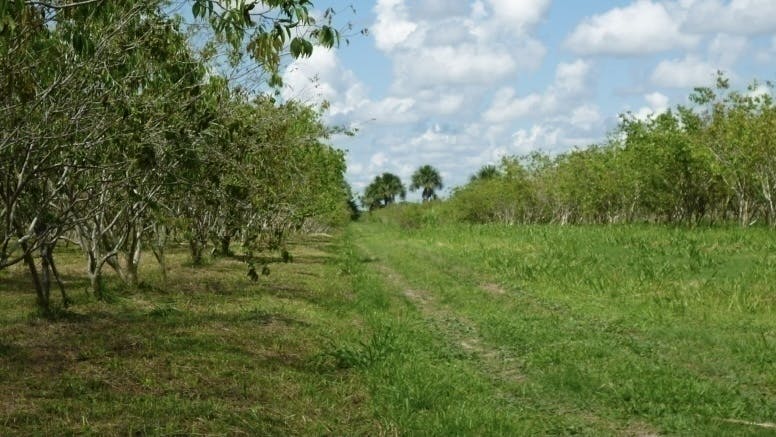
(458, 84)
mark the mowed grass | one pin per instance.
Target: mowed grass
(456, 330)
(207, 353)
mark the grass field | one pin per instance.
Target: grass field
(454, 330)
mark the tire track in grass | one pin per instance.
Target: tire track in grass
(460, 331)
(500, 366)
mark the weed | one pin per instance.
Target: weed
(363, 354)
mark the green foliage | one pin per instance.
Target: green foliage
(429, 179)
(410, 216)
(712, 163)
(383, 191)
(264, 32)
(121, 136)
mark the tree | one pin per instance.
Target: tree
(114, 131)
(383, 191)
(485, 172)
(427, 178)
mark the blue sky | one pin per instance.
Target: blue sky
(458, 84)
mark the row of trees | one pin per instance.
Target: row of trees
(118, 136)
(714, 161)
(386, 187)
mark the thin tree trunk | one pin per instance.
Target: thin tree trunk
(158, 244)
(65, 300)
(133, 262)
(226, 241)
(43, 301)
(196, 251)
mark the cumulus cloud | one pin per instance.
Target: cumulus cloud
(452, 65)
(742, 17)
(321, 77)
(571, 78)
(519, 15)
(571, 81)
(539, 137)
(688, 72)
(640, 28)
(437, 9)
(507, 106)
(724, 50)
(657, 104)
(431, 42)
(586, 117)
(768, 54)
(392, 28)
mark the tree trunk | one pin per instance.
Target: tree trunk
(162, 260)
(131, 256)
(95, 282)
(226, 241)
(196, 251)
(158, 244)
(65, 299)
(45, 271)
(42, 296)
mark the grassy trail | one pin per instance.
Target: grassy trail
(604, 346)
(499, 368)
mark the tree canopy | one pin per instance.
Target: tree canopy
(429, 180)
(383, 191)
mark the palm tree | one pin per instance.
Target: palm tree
(383, 191)
(427, 178)
(484, 173)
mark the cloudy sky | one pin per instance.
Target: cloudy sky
(459, 83)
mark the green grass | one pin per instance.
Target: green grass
(453, 330)
(635, 330)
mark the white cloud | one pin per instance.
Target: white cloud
(440, 102)
(684, 73)
(391, 110)
(658, 104)
(571, 78)
(392, 27)
(437, 9)
(378, 160)
(319, 78)
(725, 50)
(438, 43)
(452, 65)
(355, 168)
(767, 55)
(657, 101)
(640, 28)
(506, 106)
(586, 117)
(539, 137)
(519, 15)
(571, 82)
(742, 17)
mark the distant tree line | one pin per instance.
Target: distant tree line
(386, 187)
(711, 162)
(116, 135)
